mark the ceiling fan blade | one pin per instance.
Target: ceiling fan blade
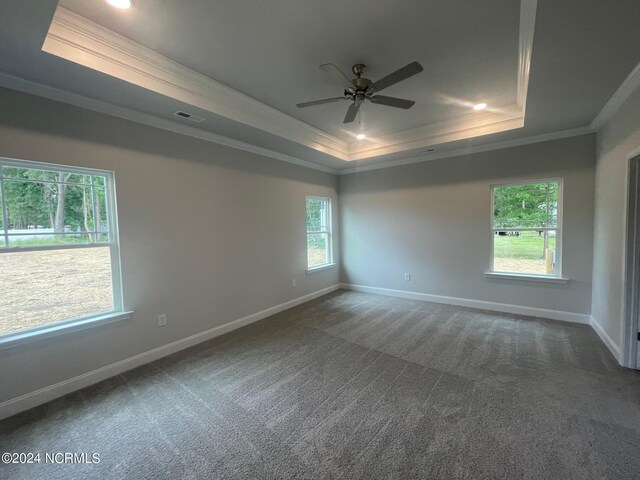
(319, 102)
(337, 75)
(392, 101)
(351, 113)
(397, 76)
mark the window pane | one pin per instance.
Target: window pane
(99, 181)
(99, 208)
(43, 287)
(44, 175)
(524, 206)
(54, 213)
(317, 249)
(79, 179)
(317, 215)
(29, 206)
(318, 232)
(525, 252)
(78, 211)
(85, 211)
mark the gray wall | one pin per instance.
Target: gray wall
(616, 142)
(209, 234)
(432, 219)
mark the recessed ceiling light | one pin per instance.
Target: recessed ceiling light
(480, 106)
(361, 136)
(120, 3)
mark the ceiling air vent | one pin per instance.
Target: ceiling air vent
(189, 116)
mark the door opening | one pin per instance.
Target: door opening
(631, 348)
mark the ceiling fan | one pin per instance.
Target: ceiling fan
(359, 89)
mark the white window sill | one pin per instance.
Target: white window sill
(320, 268)
(526, 278)
(40, 333)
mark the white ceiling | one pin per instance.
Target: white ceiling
(582, 51)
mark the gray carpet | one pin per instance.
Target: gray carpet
(355, 386)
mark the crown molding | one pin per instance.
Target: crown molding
(51, 93)
(628, 86)
(470, 125)
(443, 132)
(37, 89)
(82, 41)
(419, 158)
(528, 9)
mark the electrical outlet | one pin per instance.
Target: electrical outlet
(407, 277)
(293, 282)
(162, 320)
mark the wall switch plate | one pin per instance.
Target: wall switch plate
(293, 282)
(407, 276)
(162, 320)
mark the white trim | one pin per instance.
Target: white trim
(629, 355)
(319, 268)
(528, 10)
(95, 318)
(557, 275)
(32, 88)
(328, 232)
(21, 337)
(114, 227)
(46, 394)
(634, 153)
(56, 167)
(471, 303)
(526, 278)
(606, 339)
(48, 248)
(462, 128)
(82, 41)
(40, 90)
(419, 157)
(624, 91)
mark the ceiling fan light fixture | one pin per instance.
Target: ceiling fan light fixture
(361, 136)
(122, 4)
(479, 106)
(359, 89)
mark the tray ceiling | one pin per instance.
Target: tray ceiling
(160, 56)
(253, 69)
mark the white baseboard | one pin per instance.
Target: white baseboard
(606, 339)
(481, 304)
(46, 394)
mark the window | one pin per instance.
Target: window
(59, 257)
(319, 249)
(526, 228)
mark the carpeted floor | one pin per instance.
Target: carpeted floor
(353, 385)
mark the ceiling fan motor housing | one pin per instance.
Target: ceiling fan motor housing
(361, 84)
(358, 69)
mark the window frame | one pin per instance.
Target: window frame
(328, 232)
(76, 323)
(557, 275)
